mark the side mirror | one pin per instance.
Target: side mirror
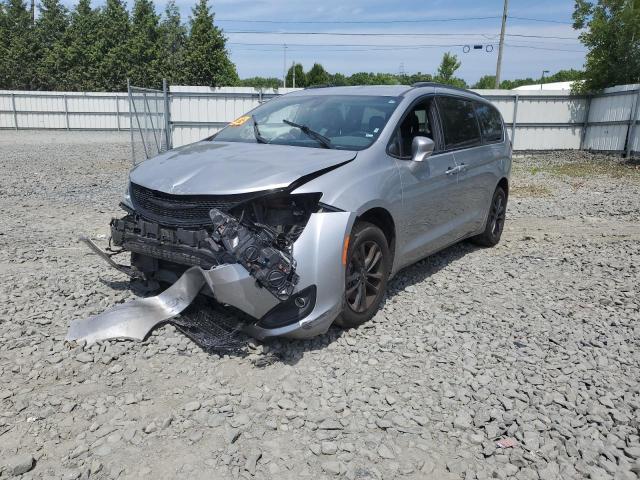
(421, 148)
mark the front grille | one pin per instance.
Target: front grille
(182, 210)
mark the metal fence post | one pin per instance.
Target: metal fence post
(585, 125)
(167, 114)
(15, 112)
(133, 152)
(514, 120)
(66, 111)
(632, 123)
(118, 112)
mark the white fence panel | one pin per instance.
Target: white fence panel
(548, 138)
(545, 120)
(64, 110)
(610, 116)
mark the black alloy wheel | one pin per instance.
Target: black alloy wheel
(495, 220)
(366, 274)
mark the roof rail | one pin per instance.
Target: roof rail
(443, 85)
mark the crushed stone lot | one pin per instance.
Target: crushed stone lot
(537, 340)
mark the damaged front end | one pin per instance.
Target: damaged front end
(274, 256)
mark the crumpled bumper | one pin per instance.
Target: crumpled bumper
(318, 253)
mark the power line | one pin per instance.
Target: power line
(532, 47)
(529, 19)
(357, 22)
(391, 47)
(393, 34)
(376, 47)
(384, 22)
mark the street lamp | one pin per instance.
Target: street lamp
(542, 79)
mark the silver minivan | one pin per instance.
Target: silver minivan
(298, 213)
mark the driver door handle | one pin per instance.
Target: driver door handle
(452, 170)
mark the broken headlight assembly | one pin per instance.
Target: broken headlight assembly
(258, 233)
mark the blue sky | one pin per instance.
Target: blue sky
(525, 56)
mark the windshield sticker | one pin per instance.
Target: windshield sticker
(239, 121)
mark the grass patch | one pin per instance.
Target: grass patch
(523, 191)
(585, 170)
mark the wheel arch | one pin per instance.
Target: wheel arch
(504, 184)
(382, 218)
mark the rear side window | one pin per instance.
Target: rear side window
(490, 122)
(458, 122)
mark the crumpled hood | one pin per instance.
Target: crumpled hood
(223, 168)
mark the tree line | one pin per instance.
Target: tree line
(317, 75)
(97, 49)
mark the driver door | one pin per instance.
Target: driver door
(428, 187)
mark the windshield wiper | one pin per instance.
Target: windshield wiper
(256, 131)
(318, 137)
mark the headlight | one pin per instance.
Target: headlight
(126, 198)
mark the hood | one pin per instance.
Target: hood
(225, 168)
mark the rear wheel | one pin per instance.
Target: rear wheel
(366, 275)
(495, 221)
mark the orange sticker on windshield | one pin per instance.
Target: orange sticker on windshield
(239, 121)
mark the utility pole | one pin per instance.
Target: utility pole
(284, 67)
(501, 47)
(33, 12)
(293, 70)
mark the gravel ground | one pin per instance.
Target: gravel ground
(537, 340)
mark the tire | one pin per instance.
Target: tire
(367, 270)
(495, 220)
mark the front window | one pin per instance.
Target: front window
(348, 122)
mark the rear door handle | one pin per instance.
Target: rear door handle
(452, 170)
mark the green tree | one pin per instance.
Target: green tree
(370, 78)
(338, 80)
(51, 25)
(415, 78)
(113, 47)
(76, 55)
(19, 57)
(485, 82)
(612, 36)
(173, 35)
(565, 76)
(317, 75)
(447, 69)
(206, 61)
(301, 76)
(143, 50)
(4, 43)
(260, 82)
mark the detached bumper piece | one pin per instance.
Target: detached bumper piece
(135, 319)
(243, 264)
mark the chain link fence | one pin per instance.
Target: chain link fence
(150, 132)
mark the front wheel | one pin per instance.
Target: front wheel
(495, 221)
(366, 274)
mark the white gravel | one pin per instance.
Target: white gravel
(537, 339)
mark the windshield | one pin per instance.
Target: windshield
(345, 122)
